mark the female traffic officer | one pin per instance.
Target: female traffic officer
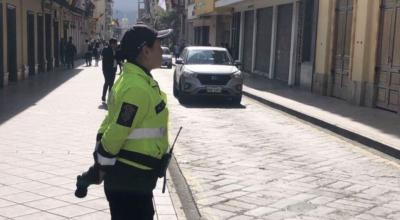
(134, 135)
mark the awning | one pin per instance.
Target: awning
(223, 3)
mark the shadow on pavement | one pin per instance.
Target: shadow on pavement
(16, 97)
(385, 121)
(211, 102)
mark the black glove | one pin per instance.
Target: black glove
(93, 176)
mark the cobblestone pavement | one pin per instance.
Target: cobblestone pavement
(48, 126)
(253, 162)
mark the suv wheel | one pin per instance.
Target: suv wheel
(236, 100)
(183, 98)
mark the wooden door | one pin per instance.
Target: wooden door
(235, 35)
(31, 42)
(388, 63)
(49, 57)
(205, 35)
(248, 41)
(341, 49)
(283, 42)
(12, 43)
(263, 39)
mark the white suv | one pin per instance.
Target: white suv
(207, 71)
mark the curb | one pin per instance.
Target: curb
(369, 142)
(189, 206)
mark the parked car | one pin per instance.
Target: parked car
(207, 71)
(166, 57)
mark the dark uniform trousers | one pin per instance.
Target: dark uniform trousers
(109, 77)
(129, 192)
(130, 205)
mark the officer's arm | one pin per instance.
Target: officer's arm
(132, 109)
(103, 127)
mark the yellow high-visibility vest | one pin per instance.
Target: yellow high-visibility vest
(135, 130)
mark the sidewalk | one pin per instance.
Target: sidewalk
(373, 127)
(48, 125)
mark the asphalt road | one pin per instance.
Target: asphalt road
(255, 162)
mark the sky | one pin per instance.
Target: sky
(125, 4)
(127, 9)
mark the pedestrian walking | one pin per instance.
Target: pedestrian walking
(70, 52)
(96, 53)
(133, 139)
(176, 51)
(109, 66)
(63, 45)
(120, 59)
(88, 54)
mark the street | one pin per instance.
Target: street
(240, 162)
(254, 162)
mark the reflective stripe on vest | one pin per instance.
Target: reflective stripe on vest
(105, 161)
(140, 133)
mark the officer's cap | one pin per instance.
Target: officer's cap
(139, 36)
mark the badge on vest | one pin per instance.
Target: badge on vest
(127, 114)
(160, 106)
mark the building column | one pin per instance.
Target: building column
(52, 57)
(273, 42)
(21, 68)
(24, 39)
(364, 52)
(325, 29)
(253, 55)
(36, 43)
(241, 36)
(293, 44)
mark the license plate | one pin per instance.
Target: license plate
(214, 89)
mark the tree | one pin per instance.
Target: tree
(168, 19)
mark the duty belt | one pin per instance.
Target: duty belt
(142, 159)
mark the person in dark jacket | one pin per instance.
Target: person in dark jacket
(96, 53)
(63, 44)
(109, 66)
(88, 54)
(119, 57)
(70, 52)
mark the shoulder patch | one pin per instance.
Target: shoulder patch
(160, 106)
(127, 114)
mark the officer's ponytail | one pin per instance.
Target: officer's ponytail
(129, 51)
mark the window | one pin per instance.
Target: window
(166, 50)
(218, 57)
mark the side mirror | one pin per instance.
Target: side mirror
(179, 61)
(238, 64)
